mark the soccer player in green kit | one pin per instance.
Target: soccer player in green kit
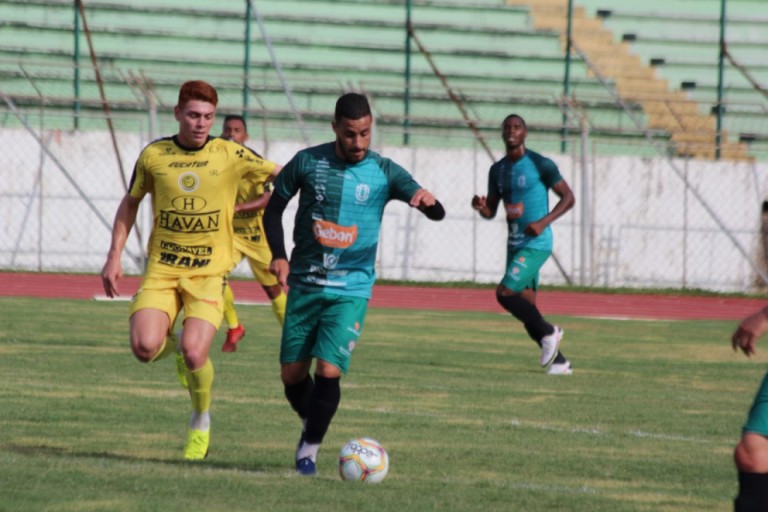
(193, 180)
(343, 188)
(751, 454)
(522, 180)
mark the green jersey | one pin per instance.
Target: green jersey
(336, 230)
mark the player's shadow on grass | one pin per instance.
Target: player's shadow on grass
(52, 451)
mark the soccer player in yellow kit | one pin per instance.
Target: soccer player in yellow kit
(250, 242)
(193, 180)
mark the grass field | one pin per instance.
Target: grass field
(647, 422)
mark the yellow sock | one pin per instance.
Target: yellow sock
(170, 346)
(278, 307)
(200, 384)
(230, 315)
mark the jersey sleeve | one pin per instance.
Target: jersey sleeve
(402, 186)
(256, 169)
(550, 174)
(493, 181)
(286, 185)
(141, 180)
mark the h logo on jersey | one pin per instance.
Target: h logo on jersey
(362, 192)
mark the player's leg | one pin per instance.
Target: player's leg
(235, 331)
(153, 310)
(337, 335)
(278, 299)
(259, 261)
(751, 456)
(298, 337)
(517, 294)
(203, 298)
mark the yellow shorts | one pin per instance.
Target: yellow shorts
(201, 297)
(259, 257)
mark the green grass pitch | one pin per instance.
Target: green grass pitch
(647, 422)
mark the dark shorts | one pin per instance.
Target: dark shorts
(321, 325)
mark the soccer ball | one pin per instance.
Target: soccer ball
(363, 460)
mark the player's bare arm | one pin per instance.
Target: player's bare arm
(749, 331)
(566, 202)
(422, 197)
(275, 172)
(125, 218)
(280, 268)
(258, 203)
(485, 206)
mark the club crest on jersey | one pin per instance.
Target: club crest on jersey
(188, 182)
(330, 261)
(362, 192)
(329, 234)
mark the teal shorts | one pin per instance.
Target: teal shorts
(523, 267)
(757, 420)
(321, 325)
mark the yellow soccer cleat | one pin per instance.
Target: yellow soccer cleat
(181, 370)
(197, 444)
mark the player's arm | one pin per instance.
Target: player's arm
(275, 172)
(259, 203)
(486, 206)
(749, 331)
(273, 229)
(565, 203)
(427, 204)
(125, 218)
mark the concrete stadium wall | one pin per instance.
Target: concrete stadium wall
(638, 222)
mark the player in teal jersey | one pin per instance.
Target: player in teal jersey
(343, 188)
(522, 180)
(751, 454)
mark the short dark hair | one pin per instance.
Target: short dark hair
(351, 106)
(514, 116)
(236, 117)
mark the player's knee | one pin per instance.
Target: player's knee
(512, 303)
(751, 454)
(144, 353)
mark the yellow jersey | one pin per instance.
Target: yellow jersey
(193, 201)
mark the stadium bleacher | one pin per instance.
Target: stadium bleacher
(497, 56)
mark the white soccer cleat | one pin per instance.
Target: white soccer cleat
(560, 369)
(549, 346)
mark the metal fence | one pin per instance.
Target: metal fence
(651, 222)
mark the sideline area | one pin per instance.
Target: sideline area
(579, 304)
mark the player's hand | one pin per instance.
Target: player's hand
(280, 268)
(478, 203)
(744, 340)
(423, 198)
(110, 274)
(749, 331)
(535, 228)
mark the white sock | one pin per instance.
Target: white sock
(200, 421)
(308, 450)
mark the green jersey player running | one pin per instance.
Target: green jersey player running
(522, 180)
(343, 188)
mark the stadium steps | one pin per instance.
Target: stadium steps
(667, 110)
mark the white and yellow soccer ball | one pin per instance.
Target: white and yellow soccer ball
(363, 460)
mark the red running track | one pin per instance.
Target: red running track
(581, 304)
